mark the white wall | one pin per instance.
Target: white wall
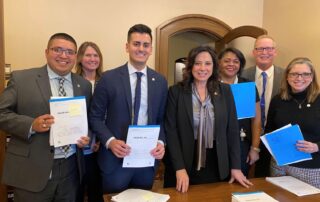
(29, 23)
(295, 26)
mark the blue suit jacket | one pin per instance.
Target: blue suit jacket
(111, 110)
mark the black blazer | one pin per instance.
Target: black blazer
(180, 135)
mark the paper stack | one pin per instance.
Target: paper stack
(139, 195)
(258, 196)
(293, 185)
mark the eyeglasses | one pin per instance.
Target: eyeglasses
(60, 51)
(304, 75)
(261, 49)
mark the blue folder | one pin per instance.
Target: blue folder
(283, 145)
(245, 99)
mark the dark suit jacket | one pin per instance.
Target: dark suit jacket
(111, 109)
(180, 135)
(29, 161)
(250, 74)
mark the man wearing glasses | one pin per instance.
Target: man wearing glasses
(267, 77)
(37, 171)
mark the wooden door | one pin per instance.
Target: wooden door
(3, 189)
(220, 32)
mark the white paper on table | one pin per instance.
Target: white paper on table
(293, 185)
(141, 139)
(70, 120)
(139, 195)
(258, 196)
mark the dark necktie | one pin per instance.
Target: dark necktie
(262, 99)
(62, 93)
(137, 98)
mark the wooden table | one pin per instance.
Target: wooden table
(218, 192)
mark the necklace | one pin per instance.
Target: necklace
(299, 103)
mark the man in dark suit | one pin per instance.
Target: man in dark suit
(40, 172)
(264, 53)
(112, 111)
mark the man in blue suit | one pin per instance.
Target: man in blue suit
(112, 111)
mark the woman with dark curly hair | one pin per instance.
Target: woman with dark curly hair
(201, 127)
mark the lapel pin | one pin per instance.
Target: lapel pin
(78, 85)
(153, 79)
(308, 105)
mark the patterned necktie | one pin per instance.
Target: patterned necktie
(137, 98)
(262, 99)
(62, 93)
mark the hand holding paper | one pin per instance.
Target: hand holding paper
(281, 144)
(142, 140)
(70, 121)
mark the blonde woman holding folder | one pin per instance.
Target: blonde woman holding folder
(299, 103)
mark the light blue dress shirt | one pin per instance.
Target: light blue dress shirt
(54, 85)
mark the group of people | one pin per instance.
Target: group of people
(201, 140)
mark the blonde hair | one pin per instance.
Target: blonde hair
(312, 89)
(264, 37)
(81, 51)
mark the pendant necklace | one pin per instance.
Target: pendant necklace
(299, 103)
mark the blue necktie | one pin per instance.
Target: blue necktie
(262, 99)
(137, 98)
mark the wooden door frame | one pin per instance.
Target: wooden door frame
(189, 22)
(3, 189)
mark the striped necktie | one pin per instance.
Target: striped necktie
(62, 93)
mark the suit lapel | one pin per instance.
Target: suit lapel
(152, 88)
(276, 82)
(44, 85)
(125, 80)
(76, 86)
(187, 97)
(217, 107)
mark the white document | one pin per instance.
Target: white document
(141, 139)
(252, 196)
(293, 185)
(70, 120)
(139, 195)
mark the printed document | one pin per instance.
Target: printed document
(139, 195)
(70, 120)
(141, 139)
(293, 185)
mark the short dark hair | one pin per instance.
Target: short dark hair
(140, 28)
(64, 36)
(238, 54)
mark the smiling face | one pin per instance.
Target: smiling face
(299, 77)
(202, 67)
(139, 48)
(229, 65)
(91, 60)
(264, 53)
(61, 62)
